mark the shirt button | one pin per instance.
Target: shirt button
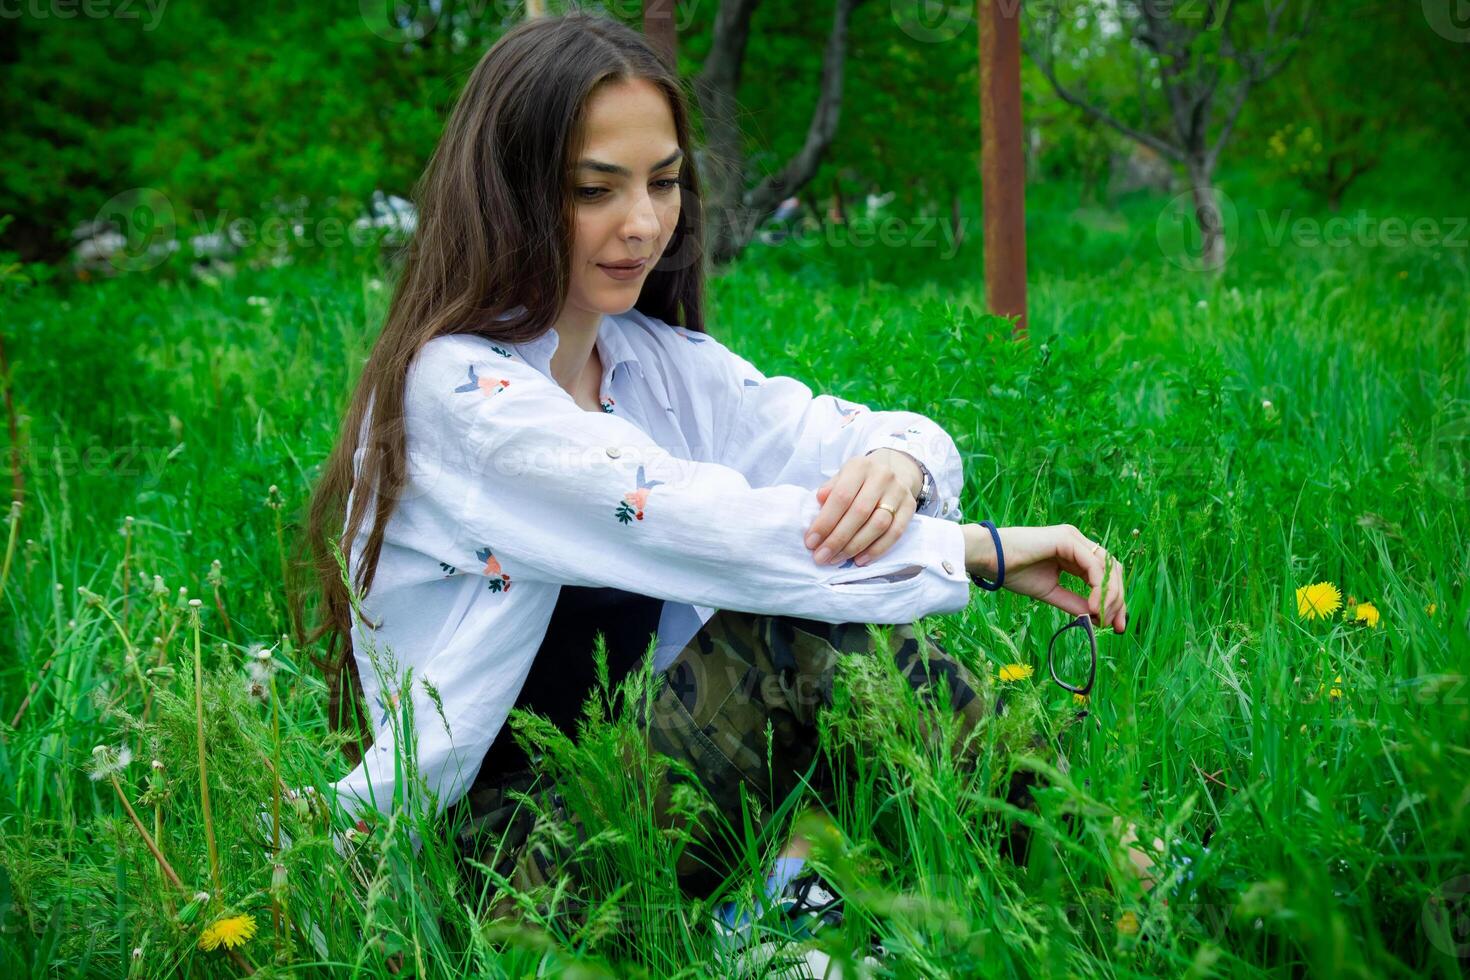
(614, 452)
(945, 508)
(948, 567)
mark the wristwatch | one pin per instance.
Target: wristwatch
(926, 493)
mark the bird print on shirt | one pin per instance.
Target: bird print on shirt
(848, 414)
(492, 569)
(635, 500)
(487, 386)
(693, 338)
(607, 406)
(387, 704)
(500, 350)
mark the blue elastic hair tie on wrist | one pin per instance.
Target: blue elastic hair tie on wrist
(1000, 563)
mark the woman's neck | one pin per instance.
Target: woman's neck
(575, 364)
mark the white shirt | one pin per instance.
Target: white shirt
(695, 484)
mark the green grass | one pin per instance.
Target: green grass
(1318, 830)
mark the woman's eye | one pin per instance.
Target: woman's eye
(664, 186)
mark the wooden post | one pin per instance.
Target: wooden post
(1002, 160)
(658, 27)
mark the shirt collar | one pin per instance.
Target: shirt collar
(612, 345)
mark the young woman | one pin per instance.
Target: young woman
(546, 443)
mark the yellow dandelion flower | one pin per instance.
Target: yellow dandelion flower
(1432, 608)
(1335, 691)
(232, 931)
(1366, 613)
(1318, 601)
(1128, 923)
(1080, 700)
(1014, 672)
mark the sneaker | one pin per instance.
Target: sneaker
(777, 939)
(808, 906)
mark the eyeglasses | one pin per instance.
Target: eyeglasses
(1071, 656)
(1068, 663)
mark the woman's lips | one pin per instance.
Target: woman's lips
(624, 273)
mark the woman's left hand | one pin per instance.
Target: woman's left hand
(850, 523)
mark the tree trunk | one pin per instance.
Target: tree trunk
(732, 212)
(956, 226)
(1207, 217)
(838, 211)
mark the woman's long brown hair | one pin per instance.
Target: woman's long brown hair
(495, 227)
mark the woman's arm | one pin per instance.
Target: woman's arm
(775, 430)
(511, 472)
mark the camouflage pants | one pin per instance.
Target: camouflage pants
(739, 675)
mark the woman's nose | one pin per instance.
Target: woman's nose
(642, 220)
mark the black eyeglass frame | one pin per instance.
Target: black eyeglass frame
(1085, 622)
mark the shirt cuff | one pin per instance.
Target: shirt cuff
(938, 548)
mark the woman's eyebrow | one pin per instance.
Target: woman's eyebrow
(613, 168)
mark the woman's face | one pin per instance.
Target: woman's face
(625, 194)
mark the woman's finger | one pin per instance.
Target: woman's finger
(844, 487)
(1110, 581)
(890, 535)
(1066, 600)
(1080, 554)
(859, 512)
(1115, 618)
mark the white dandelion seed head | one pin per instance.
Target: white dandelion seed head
(108, 762)
(193, 603)
(257, 689)
(137, 952)
(201, 896)
(157, 764)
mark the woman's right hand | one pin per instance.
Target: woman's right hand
(1035, 558)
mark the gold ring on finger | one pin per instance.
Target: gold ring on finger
(890, 508)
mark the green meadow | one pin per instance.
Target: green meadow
(1302, 418)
